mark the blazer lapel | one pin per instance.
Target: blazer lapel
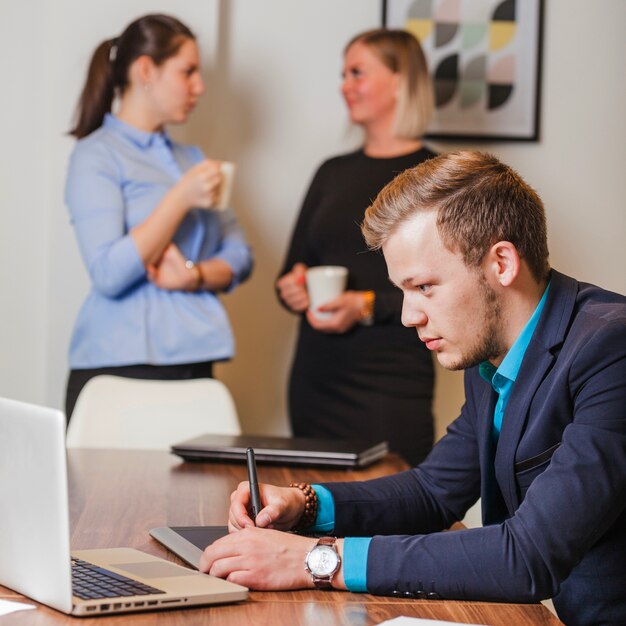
(537, 361)
(539, 357)
(493, 509)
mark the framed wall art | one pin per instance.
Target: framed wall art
(485, 60)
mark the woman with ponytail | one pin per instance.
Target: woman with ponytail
(142, 206)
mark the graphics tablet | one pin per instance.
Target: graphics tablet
(188, 542)
(350, 453)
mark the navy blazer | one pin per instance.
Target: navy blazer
(553, 492)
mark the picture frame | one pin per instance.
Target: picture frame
(485, 60)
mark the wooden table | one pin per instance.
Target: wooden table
(116, 496)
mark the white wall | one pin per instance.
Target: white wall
(272, 70)
(23, 210)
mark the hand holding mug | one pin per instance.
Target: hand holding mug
(325, 283)
(200, 186)
(338, 315)
(292, 288)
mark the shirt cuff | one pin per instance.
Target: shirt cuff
(239, 259)
(355, 551)
(325, 520)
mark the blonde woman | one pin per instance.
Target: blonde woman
(359, 372)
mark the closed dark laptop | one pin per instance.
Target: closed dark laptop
(284, 450)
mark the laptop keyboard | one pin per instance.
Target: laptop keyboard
(90, 582)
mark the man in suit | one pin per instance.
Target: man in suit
(541, 436)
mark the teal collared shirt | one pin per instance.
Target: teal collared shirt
(502, 379)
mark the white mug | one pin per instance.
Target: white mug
(227, 168)
(325, 283)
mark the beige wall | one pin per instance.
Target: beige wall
(272, 70)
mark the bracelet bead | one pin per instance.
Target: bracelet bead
(309, 514)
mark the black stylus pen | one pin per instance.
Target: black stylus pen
(254, 484)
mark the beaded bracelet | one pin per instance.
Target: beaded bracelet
(309, 514)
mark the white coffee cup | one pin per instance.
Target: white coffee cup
(324, 283)
(227, 168)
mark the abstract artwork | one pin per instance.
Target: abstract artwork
(484, 58)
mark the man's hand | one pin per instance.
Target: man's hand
(259, 558)
(282, 507)
(264, 559)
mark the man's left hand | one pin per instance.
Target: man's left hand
(260, 559)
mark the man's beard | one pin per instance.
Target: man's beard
(490, 344)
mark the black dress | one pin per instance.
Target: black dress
(373, 381)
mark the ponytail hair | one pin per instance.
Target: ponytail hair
(97, 96)
(157, 36)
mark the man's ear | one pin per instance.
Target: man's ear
(503, 263)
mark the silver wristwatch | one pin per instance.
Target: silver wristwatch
(323, 562)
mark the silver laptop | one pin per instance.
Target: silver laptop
(34, 534)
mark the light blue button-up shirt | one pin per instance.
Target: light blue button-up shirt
(117, 176)
(355, 548)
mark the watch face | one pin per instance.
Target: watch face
(322, 561)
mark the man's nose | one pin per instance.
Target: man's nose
(412, 316)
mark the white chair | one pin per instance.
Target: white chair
(116, 412)
(473, 518)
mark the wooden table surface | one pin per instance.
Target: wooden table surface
(116, 496)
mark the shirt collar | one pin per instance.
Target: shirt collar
(139, 137)
(510, 366)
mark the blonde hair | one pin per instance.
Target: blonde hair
(401, 52)
(478, 201)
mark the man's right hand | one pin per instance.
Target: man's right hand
(282, 507)
(292, 288)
